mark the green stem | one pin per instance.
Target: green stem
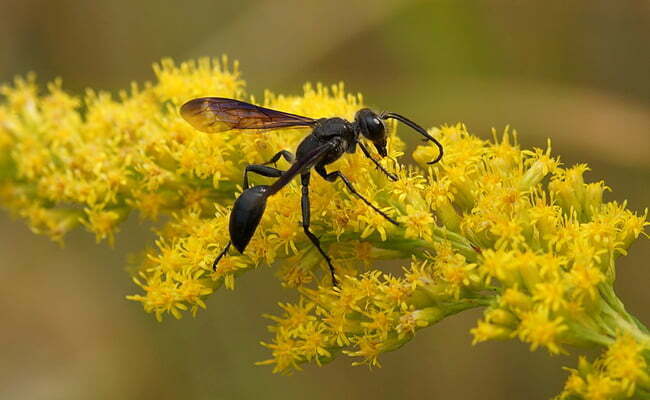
(619, 319)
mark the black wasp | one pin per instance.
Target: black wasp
(328, 140)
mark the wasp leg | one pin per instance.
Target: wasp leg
(287, 155)
(258, 169)
(331, 177)
(223, 253)
(305, 224)
(365, 151)
(261, 170)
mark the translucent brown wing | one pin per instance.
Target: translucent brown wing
(217, 114)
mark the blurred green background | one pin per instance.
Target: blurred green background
(577, 71)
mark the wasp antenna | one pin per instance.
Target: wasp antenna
(418, 129)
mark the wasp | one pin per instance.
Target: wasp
(329, 140)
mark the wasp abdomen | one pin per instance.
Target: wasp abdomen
(246, 215)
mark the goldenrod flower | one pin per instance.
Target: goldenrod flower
(492, 225)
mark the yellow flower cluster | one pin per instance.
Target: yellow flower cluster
(490, 226)
(91, 160)
(508, 229)
(621, 372)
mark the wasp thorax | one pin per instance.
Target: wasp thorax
(372, 128)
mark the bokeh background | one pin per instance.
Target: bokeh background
(576, 71)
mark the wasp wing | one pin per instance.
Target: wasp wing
(217, 114)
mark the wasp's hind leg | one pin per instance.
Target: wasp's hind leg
(220, 256)
(332, 176)
(258, 169)
(287, 155)
(305, 224)
(263, 170)
(269, 172)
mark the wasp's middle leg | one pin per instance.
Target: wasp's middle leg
(332, 176)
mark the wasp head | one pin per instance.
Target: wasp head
(372, 128)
